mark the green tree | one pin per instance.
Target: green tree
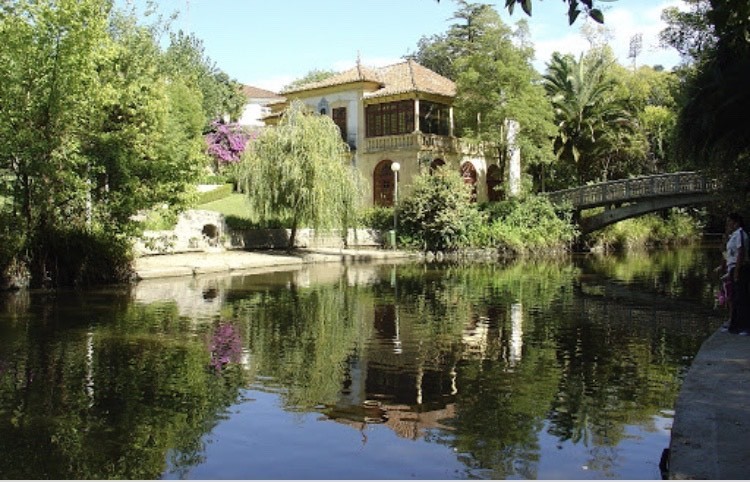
(185, 59)
(300, 170)
(498, 85)
(688, 32)
(713, 129)
(440, 53)
(49, 85)
(652, 94)
(90, 134)
(149, 128)
(591, 120)
(495, 81)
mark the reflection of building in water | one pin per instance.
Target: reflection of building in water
(398, 384)
(476, 337)
(386, 326)
(195, 297)
(405, 421)
(401, 382)
(515, 343)
(201, 297)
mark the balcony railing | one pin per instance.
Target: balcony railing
(419, 141)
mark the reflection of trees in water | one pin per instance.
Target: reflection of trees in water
(111, 399)
(479, 358)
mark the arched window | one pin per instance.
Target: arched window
(469, 173)
(435, 164)
(494, 183)
(382, 189)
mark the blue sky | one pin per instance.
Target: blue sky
(269, 43)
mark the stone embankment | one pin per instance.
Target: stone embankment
(711, 429)
(221, 261)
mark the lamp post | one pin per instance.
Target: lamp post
(395, 167)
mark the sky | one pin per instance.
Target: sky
(270, 43)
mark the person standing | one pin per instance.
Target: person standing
(737, 270)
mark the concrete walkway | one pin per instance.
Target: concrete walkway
(196, 263)
(711, 429)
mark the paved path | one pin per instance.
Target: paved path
(191, 264)
(711, 429)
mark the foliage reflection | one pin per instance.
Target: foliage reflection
(482, 358)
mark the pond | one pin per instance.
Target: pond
(562, 369)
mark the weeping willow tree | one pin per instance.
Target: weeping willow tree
(299, 170)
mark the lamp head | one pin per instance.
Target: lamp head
(395, 166)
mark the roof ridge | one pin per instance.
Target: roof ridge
(411, 73)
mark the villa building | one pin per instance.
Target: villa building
(256, 106)
(401, 113)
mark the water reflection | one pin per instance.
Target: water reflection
(531, 370)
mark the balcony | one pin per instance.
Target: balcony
(416, 141)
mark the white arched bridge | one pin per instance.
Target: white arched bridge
(629, 198)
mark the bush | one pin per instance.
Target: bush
(215, 194)
(75, 258)
(526, 225)
(438, 214)
(13, 269)
(378, 217)
(675, 226)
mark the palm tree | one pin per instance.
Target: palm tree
(586, 110)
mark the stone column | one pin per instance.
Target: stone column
(416, 115)
(514, 158)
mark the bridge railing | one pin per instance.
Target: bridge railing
(632, 189)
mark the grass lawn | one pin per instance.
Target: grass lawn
(235, 208)
(236, 204)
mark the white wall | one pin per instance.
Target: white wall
(252, 114)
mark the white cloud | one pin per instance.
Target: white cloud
(622, 24)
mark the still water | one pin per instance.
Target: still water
(565, 369)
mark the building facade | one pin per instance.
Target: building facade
(256, 107)
(401, 113)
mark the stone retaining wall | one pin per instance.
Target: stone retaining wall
(198, 231)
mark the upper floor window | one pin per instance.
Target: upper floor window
(339, 118)
(434, 118)
(391, 118)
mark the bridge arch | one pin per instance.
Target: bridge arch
(635, 197)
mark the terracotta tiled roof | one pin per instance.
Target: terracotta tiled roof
(257, 93)
(356, 74)
(406, 76)
(409, 76)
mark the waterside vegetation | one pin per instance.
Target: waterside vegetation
(100, 124)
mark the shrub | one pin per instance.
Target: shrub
(71, 257)
(675, 226)
(378, 217)
(215, 194)
(526, 225)
(438, 214)
(159, 219)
